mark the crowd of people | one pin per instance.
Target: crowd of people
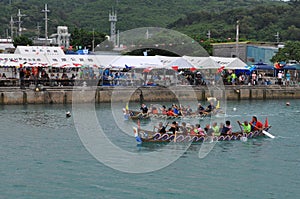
(130, 77)
(209, 130)
(178, 110)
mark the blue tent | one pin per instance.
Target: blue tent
(289, 67)
(263, 66)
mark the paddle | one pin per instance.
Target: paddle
(268, 134)
(242, 130)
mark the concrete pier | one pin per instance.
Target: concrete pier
(124, 94)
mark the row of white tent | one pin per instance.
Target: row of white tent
(119, 61)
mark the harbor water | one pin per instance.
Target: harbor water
(43, 156)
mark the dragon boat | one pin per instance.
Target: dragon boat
(146, 136)
(135, 115)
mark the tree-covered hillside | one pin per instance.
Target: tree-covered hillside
(189, 16)
(259, 23)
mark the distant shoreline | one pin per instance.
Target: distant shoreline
(66, 95)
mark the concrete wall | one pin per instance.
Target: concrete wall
(125, 94)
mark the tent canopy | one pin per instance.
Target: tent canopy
(136, 62)
(230, 63)
(202, 62)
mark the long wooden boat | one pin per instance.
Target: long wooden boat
(145, 136)
(135, 115)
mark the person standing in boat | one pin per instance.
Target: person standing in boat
(256, 125)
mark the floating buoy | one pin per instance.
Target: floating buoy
(234, 109)
(287, 103)
(68, 114)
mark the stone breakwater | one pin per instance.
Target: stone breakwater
(124, 94)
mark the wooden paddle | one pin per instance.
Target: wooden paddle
(265, 132)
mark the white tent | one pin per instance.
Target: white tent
(202, 62)
(180, 62)
(16, 60)
(230, 63)
(136, 62)
(104, 61)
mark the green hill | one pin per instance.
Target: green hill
(259, 19)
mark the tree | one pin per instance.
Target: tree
(22, 41)
(291, 51)
(83, 38)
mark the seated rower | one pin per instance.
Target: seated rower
(256, 124)
(183, 128)
(160, 128)
(189, 111)
(193, 131)
(208, 130)
(227, 129)
(176, 110)
(170, 112)
(200, 131)
(216, 129)
(154, 110)
(200, 109)
(246, 126)
(210, 107)
(163, 110)
(144, 109)
(173, 127)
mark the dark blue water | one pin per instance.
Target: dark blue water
(43, 157)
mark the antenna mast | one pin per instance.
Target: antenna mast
(19, 15)
(46, 23)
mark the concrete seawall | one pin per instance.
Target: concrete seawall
(124, 94)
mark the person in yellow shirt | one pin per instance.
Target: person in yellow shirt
(246, 126)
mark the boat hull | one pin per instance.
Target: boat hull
(147, 136)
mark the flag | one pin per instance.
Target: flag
(147, 70)
(193, 69)
(175, 68)
(76, 64)
(128, 67)
(220, 69)
(218, 105)
(266, 123)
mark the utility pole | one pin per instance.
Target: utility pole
(208, 35)
(46, 23)
(277, 37)
(11, 23)
(237, 39)
(38, 27)
(93, 41)
(19, 15)
(112, 18)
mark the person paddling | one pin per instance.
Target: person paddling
(246, 126)
(256, 124)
